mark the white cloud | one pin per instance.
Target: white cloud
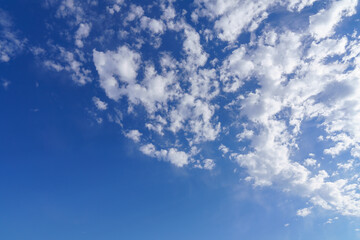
(278, 107)
(209, 164)
(235, 17)
(99, 104)
(263, 93)
(80, 74)
(246, 16)
(10, 43)
(81, 33)
(70, 8)
(343, 142)
(331, 220)
(134, 135)
(116, 7)
(155, 26)
(204, 84)
(236, 68)
(303, 212)
(323, 23)
(346, 166)
(134, 13)
(197, 115)
(118, 71)
(155, 90)
(53, 65)
(116, 68)
(169, 12)
(310, 162)
(178, 158)
(298, 5)
(196, 56)
(246, 134)
(71, 62)
(224, 149)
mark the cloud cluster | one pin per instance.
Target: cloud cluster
(203, 86)
(301, 76)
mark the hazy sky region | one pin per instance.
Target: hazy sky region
(179, 120)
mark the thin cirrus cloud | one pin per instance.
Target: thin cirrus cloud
(10, 42)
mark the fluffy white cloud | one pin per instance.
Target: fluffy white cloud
(178, 158)
(196, 115)
(303, 212)
(310, 162)
(224, 149)
(209, 164)
(134, 135)
(196, 56)
(155, 26)
(323, 23)
(70, 8)
(297, 83)
(81, 33)
(115, 7)
(236, 68)
(134, 13)
(234, 17)
(298, 5)
(116, 68)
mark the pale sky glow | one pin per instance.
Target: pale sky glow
(230, 110)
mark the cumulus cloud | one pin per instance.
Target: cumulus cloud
(235, 17)
(224, 149)
(134, 13)
(81, 33)
(115, 8)
(134, 135)
(115, 68)
(172, 155)
(303, 212)
(323, 23)
(209, 164)
(153, 25)
(196, 56)
(310, 162)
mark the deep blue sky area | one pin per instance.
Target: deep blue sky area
(173, 120)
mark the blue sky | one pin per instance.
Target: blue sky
(206, 119)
